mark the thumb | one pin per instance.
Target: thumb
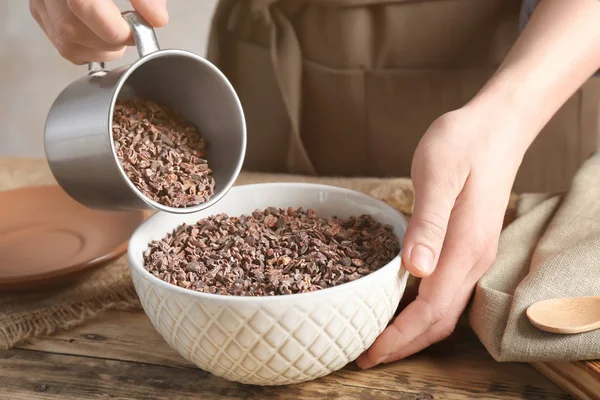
(427, 227)
(153, 11)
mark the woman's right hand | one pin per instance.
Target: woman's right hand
(92, 30)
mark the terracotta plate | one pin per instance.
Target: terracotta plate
(46, 236)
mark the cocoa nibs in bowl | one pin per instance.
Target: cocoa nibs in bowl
(161, 153)
(271, 252)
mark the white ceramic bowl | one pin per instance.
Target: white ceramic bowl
(280, 339)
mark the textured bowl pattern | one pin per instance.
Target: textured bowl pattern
(272, 344)
(271, 340)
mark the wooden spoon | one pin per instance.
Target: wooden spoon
(566, 315)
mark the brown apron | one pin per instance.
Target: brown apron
(348, 87)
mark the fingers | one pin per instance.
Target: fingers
(470, 241)
(153, 11)
(436, 332)
(403, 340)
(427, 227)
(103, 18)
(70, 29)
(35, 14)
(92, 30)
(440, 330)
(413, 321)
(71, 37)
(39, 13)
(73, 40)
(451, 240)
(80, 55)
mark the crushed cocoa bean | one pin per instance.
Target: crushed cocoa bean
(271, 252)
(162, 154)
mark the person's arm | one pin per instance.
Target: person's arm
(557, 52)
(466, 163)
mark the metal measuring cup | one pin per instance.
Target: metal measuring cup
(78, 134)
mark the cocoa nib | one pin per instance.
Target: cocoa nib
(162, 154)
(271, 252)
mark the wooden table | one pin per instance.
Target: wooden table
(120, 356)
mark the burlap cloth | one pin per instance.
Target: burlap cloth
(552, 250)
(108, 287)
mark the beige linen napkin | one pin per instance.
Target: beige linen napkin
(110, 286)
(552, 250)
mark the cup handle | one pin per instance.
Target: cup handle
(94, 67)
(143, 34)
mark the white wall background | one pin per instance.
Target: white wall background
(32, 73)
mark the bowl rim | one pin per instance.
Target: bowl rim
(329, 291)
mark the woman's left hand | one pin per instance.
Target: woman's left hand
(463, 171)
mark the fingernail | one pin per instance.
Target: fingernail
(382, 359)
(370, 364)
(365, 364)
(164, 13)
(422, 258)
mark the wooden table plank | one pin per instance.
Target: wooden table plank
(35, 375)
(580, 378)
(117, 335)
(456, 369)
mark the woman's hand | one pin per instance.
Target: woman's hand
(463, 171)
(92, 30)
(465, 165)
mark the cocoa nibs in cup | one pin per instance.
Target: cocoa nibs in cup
(161, 153)
(271, 252)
